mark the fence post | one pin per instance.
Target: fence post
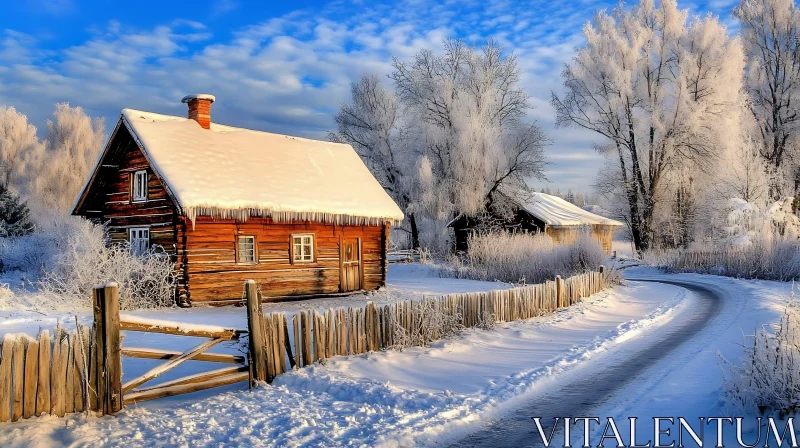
(109, 350)
(258, 361)
(602, 275)
(559, 291)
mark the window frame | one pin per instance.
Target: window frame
(135, 250)
(238, 251)
(313, 259)
(135, 175)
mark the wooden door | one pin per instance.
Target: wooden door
(351, 264)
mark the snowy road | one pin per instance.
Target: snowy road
(600, 382)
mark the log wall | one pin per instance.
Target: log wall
(110, 199)
(568, 234)
(215, 276)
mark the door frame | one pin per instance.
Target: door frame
(359, 253)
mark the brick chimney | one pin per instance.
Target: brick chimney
(200, 108)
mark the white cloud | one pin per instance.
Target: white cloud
(288, 74)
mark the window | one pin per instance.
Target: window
(303, 248)
(139, 186)
(140, 240)
(246, 250)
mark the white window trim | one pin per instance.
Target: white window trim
(294, 252)
(238, 250)
(137, 249)
(134, 193)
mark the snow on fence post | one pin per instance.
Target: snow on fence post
(255, 329)
(109, 350)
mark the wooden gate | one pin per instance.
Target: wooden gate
(351, 265)
(108, 318)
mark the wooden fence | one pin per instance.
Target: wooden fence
(337, 332)
(81, 370)
(71, 372)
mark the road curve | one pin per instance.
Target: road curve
(516, 429)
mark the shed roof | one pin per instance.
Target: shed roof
(231, 172)
(555, 211)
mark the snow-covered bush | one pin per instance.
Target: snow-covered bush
(67, 256)
(757, 242)
(747, 222)
(768, 379)
(766, 259)
(524, 258)
(84, 260)
(6, 296)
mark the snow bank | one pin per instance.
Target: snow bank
(230, 172)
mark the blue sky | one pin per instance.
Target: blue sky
(278, 66)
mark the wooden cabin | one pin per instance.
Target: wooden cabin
(302, 217)
(560, 219)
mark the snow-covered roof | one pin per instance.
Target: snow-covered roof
(230, 172)
(555, 211)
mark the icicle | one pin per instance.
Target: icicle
(244, 213)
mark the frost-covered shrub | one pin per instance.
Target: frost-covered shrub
(763, 258)
(524, 258)
(67, 256)
(747, 223)
(430, 322)
(6, 296)
(84, 260)
(768, 379)
(34, 253)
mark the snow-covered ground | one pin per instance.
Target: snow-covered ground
(404, 282)
(436, 394)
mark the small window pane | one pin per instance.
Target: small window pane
(139, 186)
(139, 241)
(247, 249)
(303, 248)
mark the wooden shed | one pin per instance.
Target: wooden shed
(302, 217)
(560, 219)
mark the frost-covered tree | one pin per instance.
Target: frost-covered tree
(373, 124)
(470, 109)
(18, 141)
(449, 137)
(663, 92)
(771, 37)
(56, 173)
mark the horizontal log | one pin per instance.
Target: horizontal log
(225, 335)
(149, 353)
(161, 392)
(284, 298)
(197, 378)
